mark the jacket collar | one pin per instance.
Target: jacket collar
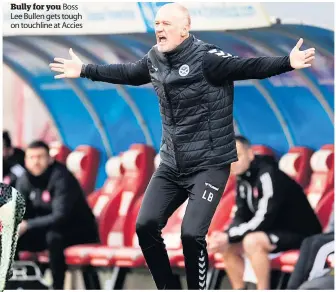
(251, 173)
(181, 50)
(259, 162)
(41, 181)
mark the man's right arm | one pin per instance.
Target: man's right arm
(220, 67)
(240, 215)
(129, 73)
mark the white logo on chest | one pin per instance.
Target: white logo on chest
(184, 70)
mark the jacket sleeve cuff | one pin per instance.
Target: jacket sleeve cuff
(230, 239)
(38, 222)
(30, 225)
(83, 74)
(233, 239)
(288, 66)
(227, 232)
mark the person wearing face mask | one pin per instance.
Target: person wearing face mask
(57, 214)
(273, 214)
(194, 83)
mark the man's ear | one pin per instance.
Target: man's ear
(184, 32)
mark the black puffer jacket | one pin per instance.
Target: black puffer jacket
(197, 116)
(194, 83)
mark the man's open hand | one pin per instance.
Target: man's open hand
(69, 68)
(301, 59)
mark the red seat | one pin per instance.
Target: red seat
(296, 164)
(286, 261)
(80, 254)
(130, 255)
(230, 185)
(83, 162)
(99, 201)
(139, 165)
(59, 151)
(324, 208)
(27, 256)
(322, 178)
(112, 186)
(321, 196)
(262, 150)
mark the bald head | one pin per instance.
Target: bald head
(172, 25)
(179, 11)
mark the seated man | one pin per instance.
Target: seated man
(13, 160)
(311, 269)
(57, 214)
(273, 214)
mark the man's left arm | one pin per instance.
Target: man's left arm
(62, 204)
(220, 67)
(269, 206)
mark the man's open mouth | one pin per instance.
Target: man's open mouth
(162, 39)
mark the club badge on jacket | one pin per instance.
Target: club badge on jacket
(46, 196)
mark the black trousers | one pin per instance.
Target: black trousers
(55, 242)
(308, 255)
(166, 191)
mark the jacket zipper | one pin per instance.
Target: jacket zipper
(173, 119)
